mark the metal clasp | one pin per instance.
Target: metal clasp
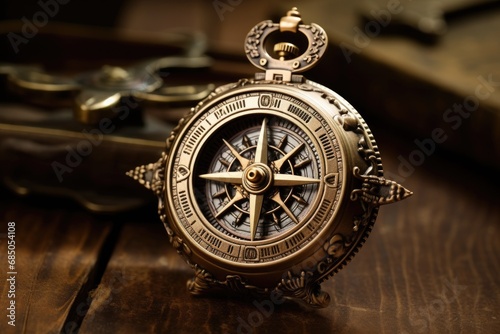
(291, 21)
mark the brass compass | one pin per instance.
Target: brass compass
(271, 184)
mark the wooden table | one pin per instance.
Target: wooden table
(430, 265)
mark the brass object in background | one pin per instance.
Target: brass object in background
(103, 93)
(270, 185)
(89, 121)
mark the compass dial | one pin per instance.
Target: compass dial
(256, 177)
(262, 178)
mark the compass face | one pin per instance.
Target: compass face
(284, 181)
(255, 177)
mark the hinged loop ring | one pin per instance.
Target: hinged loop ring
(255, 45)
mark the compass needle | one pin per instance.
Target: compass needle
(276, 220)
(289, 180)
(279, 163)
(226, 207)
(243, 161)
(246, 141)
(302, 163)
(282, 142)
(277, 199)
(255, 208)
(300, 200)
(219, 193)
(239, 219)
(261, 151)
(226, 177)
(224, 162)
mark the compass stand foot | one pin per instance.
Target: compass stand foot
(202, 283)
(304, 288)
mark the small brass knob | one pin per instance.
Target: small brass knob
(286, 50)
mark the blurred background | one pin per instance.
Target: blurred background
(400, 61)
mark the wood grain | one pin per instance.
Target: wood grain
(144, 291)
(57, 251)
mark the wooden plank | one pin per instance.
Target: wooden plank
(431, 265)
(57, 250)
(144, 291)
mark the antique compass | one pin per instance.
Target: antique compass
(271, 184)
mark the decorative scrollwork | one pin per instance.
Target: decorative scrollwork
(318, 43)
(334, 247)
(203, 283)
(253, 41)
(150, 176)
(256, 43)
(377, 190)
(305, 287)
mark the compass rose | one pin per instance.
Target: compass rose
(259, 176)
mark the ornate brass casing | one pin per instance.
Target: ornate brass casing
(271, 184)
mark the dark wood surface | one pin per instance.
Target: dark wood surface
(431, 265)
(58, 253)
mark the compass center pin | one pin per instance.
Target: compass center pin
(257, 178)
